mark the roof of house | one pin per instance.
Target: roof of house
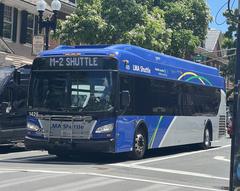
(213, 36)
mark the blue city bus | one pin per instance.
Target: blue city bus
(121, 98)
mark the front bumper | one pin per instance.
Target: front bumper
(105, 146)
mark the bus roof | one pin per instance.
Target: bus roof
(137, 60)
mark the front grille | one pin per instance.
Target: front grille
(65, 127)
(222, 126)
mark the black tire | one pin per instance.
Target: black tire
(139, 145)
(206, 138)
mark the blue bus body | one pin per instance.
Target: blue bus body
(161, 130)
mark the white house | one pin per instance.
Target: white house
(19, 23)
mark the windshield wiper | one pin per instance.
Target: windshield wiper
(44, 109)
(39, 109)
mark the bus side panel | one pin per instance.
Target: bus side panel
(184, 130)
(157, 128)
(163, 131)
(125, 127)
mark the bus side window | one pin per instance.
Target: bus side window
(127, 84)
(166, 97)
(199, 100)
(142, 96)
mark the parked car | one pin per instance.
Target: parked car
(13, 103)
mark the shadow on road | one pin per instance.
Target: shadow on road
(92, 158)
(10, 149)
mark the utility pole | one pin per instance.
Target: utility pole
(235, 149)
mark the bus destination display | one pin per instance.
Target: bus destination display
(74, 63)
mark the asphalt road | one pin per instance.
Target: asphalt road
(179, 168)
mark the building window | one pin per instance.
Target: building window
(30, 28)
(8, 22)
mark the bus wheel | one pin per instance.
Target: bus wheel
(206, 139)
(140, 145)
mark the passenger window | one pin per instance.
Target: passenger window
(143, 96)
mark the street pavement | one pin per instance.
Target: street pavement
(179, 168)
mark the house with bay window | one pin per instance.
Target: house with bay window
(19, 23)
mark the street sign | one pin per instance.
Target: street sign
(198, 58)
(38, 44)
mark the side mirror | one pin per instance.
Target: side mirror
(125, 98)
(17, 77)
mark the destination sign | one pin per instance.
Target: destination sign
(74, 63)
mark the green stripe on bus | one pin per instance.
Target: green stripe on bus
(155, 133)
(199, 77)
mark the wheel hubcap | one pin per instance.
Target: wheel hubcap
(207, 138)
(139, 144)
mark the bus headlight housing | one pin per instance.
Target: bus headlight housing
(32, 127)
(105, 128)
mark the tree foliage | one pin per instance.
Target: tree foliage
(189, 21)
(175, 27)
(230, 44)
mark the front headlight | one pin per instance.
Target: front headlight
(105, 129)
(32, 127)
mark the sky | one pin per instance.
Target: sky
(215, 6)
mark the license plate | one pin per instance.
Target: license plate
(66, 129)
(78, 129)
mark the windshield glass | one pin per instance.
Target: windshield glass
(84, 91)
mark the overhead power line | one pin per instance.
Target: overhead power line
(222, 50)
(229, 7)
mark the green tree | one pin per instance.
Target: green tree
(111, 21)
(85, 25)
(189, 21)
(152, 34)
(230, 44)
(175, 27)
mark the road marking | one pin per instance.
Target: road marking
(175, 156)
(4, 172)
(97, 184)
(113, 176)
(221, 158)
(158, 187)
(172, 171)
(157, 182)
(24, 180)
(69, 186)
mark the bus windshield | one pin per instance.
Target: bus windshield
(83, 91)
